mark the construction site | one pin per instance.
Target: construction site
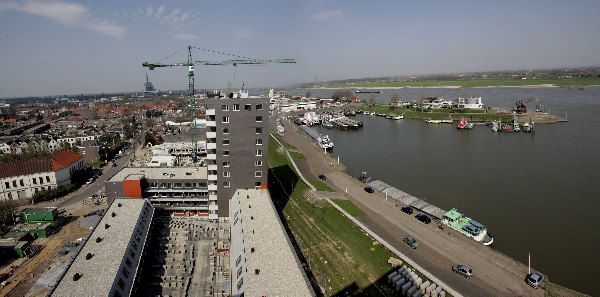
(185, 257)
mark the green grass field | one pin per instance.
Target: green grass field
(296, 155)
(349, 207)
(346, 258)
(474, 83)
(321, 186)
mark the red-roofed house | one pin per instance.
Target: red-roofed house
(23, 178)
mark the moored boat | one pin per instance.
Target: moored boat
(467, 226)
(463, 124)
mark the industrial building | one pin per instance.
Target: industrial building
(107, 264)
(23, 178)
(237, 137)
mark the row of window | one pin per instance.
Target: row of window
(227, 184)
(177, 185)
(256, 163)
(225, 120)
(257, 142)
(236, 107)
(258, 153)
(181, 194)
(22, 183)
(256, 174)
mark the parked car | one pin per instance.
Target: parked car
(89, 181)
(114, 164)
(534, 279)
(93, 196)
(369, 190)
(322, 177)
(423, 218)
(463, 270)
(411, 241)
(407, 209)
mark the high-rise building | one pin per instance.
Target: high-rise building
(237, 137)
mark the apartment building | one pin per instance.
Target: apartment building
(237, 137)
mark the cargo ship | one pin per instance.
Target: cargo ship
(467, 226)
(367, 91)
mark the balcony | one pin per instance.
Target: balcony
(213, 207)
(210, 112)
(211, 124)
(213, 216)
(212, 167)
(212, 177)
(212, 187)
(211, 146)
(211, 156)
(212, 197)
(211, 134)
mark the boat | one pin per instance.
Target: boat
(325, 142)
(327, 124)
(528, 128)
(439, 121)
(463, 124)
(516, 126)
(398, 117)
(467, 226)
(495, 127)
(367, 91)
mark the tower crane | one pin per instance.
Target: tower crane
(191, 63)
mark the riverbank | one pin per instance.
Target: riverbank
(472, 116)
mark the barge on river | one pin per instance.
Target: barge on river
(467, 226)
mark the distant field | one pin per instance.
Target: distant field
(474, 83)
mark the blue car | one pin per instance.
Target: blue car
(369, 190)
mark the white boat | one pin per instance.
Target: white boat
(463, 124)
(467, 226)
(327, 124)
(439, 121)
(325, 142)
(398, 117)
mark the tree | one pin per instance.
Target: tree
(308, 94)
(7, 214)
(372, 99)
(148, 138)
(394, 99)
(150, 122)
(65, 145)
(342, 95)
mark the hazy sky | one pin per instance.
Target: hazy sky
(66, 47)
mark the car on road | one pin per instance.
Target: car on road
(411, 241)
(423, 218)
(407, 209)
(369, 190)
(463, 270)
(89, 181)
(114, 164)
(322, 177)
(93, 196)
(534, 279)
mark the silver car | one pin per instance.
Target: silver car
(534, 279)
(463, 270)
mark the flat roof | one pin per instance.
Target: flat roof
(280, 270)
(100, 273)
(39, 209)
(161, 173)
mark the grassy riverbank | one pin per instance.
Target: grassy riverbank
(477, 83)
(456, 114)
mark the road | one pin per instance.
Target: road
(494, 273)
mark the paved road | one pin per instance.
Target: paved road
(495, 274)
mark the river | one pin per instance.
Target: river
(536, 193)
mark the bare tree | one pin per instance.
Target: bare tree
(372, 99)
(308, 94)
(394, 99)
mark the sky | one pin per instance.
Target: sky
(52, 48)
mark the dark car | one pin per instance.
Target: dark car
(114, 165)
(423, 218)
(407, 209)
(322, 177)
(534, 279)
(463, 270)
(411, 241)
(369, 190)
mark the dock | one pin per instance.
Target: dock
(406, 198)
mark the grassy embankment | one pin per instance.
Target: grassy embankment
(346, 259)
(456, 114)
(476, 83)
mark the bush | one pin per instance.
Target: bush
(46, 195)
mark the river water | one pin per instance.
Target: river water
(536, 193)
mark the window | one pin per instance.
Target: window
(258, 153)
(135, 246)
(258, 163)
(188, 185)
(14, 183)
(240, 283)
(131, 253)
(257, 184)
(7, 184)
(226, 164)
(236, 107)
(34, 181)
(239, 272)
(258, 174)
(225, 107)
(225, 153)
(117, 294)
(225, 119)
(178, 185)
(41, 180)
(121, 284)
(226, 184)
(125, 272)
(258, 130)
(258, 106)
(239, 259)
(21, 182)
(248, 107)
(47, 178)
(226, 174)
(225, 130)
(225, 141)
(259, 142)
(259, 118)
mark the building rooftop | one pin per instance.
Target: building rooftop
(55, 162)
(268, 250)
(160, 173)
(97, 268)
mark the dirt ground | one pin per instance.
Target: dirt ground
(22, 279)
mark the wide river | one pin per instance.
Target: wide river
(536, 193)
